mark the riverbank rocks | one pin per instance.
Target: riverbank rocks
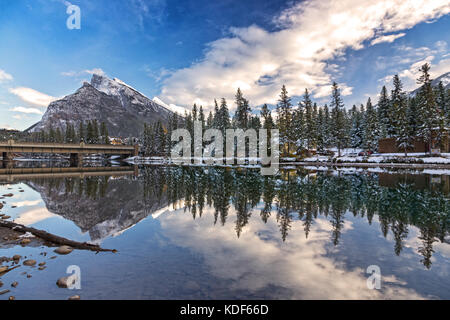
(3, 269)
(16, 258)
(6, 217)
(64, 250)
(29, 263)
(66, 282)
(3, 292)
(9, 195)
(25, 241)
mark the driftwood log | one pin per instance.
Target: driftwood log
(53, 238)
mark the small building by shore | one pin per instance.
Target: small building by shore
(389, 145)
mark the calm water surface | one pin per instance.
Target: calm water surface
(196, 233)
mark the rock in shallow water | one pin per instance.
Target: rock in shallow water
(64, 250)
(66, 282)
(76, 297)
(29, 263)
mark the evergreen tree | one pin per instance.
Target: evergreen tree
(357, 131)
(223, 119)
(284, 120)
(427, 107)
(209, 121)
(59, 136)
(96, 133)
(81, 132)
(104, 133)
(383, 113)
(298, 128)
(326, 129)
(371, 133)
(340, 134)
(90, 136)
(442, 114)
(52, 135)
(309, 125)
(243, 113)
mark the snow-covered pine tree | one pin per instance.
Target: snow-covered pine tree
(327, 125)
(383, 113)
(209, 121)
(412, 115)
(371, 133)
(309, 133)
(442, 121)
(298, 128)
(356, 132)
(404, 136)
(223, 117)
(397, 100)
(320, 130)
(267, 124)
(284, 109)
(427, 106)
(339, 125)
(243, 113)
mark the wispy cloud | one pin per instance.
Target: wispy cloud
(4, 76)
(98, 71)
(26, 110)
(32, 96)
(389, 38)
(410, 59)
(312, 33)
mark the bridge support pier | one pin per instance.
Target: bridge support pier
(7, 156)
(76, 160)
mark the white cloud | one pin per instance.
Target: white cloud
(97, 71)
(26, 110)
(389, 38)
(7, 127)
(5, 76)
(312, 33)
(34, 216)
(260, 260)
(409, 75)
(172, 107)
(32, 96)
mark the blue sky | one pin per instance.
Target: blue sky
(194, 51)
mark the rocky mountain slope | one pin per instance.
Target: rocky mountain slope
(445, 78)
(122, 108)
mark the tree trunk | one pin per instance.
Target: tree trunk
(53, 238)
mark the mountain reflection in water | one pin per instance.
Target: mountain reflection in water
(105, 206)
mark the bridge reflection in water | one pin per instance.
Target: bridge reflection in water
(14, 174)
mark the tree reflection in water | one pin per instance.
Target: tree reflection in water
(303, 195)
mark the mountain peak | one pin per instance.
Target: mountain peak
(122, 108)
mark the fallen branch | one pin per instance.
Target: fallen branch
(53, 238)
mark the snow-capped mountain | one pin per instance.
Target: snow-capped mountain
(445, 78)
(123, 109)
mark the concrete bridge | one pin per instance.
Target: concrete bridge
(76, 151)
